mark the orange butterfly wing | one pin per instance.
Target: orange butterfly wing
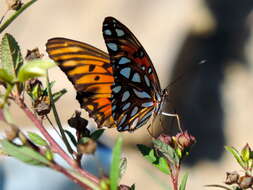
(90, 71)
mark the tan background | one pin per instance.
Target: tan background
(161, 26)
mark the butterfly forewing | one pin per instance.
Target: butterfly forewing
(136, 90)
(90, 71)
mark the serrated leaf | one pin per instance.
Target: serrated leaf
(155, 160)
(96, 134)
(35, 138)
(167, 151)
(34, 68)
(23, 153)
(115, 169)
(183, 182)
(71, 136)
(236, 155)
(11, 58)
(59, 94)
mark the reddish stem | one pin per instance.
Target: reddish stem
(54, 145)
(174, 177)
(66, 173)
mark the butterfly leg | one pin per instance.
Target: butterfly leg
(176, 116)
(150, 132)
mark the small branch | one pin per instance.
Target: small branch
(57, 119)
(69, 175)
(54, 145)
(15, 15)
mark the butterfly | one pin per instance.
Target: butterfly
(120, 89)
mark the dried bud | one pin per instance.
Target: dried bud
(14, 4)
(231, 178)
(245, 182)
(43, 107)
(89, 147)
(34, 88)
(124, 187)
(185, 140)
(79, 123)
(165, 139)
(33, 54)
(11, 133)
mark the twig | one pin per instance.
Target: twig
(15, 15)
(54, 145)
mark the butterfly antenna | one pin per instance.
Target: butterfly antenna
(177, 118)
(183, 74)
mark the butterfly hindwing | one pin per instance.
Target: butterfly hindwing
(136, 89)
(90, 71)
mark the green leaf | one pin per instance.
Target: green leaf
(11, 58)
(236, 155)
(35, 138)
(5, 77)
(167, 151)
(115, 165)
(49, 154)
(23, 153)
(96, 134)
(154, 159)
(245, 153)
(163, 165)
(183, 182)
(34, 68)
(71, 136)
(59, 94)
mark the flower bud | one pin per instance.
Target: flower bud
(43, 107)
(165, 139)
(185, 140)
(14, 4)
(231, 178)
(245, 182)
(33, 54)
(88, 147)
(79, 123)
(12, 133)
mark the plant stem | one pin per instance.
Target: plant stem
(174, 177)
(15, 15)
(72, 177)
(57, 119)
(54, 145)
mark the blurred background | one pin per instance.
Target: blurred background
(214, 100)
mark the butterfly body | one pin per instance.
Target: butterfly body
(121, 89)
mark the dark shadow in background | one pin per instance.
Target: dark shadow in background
(2, 178)
(197, 96)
